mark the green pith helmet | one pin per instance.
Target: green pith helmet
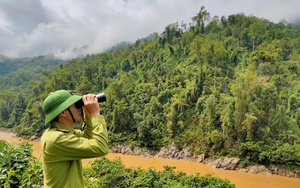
(57, 102)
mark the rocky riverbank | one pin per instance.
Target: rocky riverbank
(172, 152)
(7, 134)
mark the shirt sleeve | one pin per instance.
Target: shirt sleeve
(73, 146)
(88, 128)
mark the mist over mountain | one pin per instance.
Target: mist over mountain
(63, 28)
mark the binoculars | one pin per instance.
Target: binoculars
(100, 97)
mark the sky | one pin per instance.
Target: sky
(31, 28)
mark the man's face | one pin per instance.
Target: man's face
(76, 113)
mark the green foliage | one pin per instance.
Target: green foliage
(33, 175)
(14, 72)
(226, 86)
(105, 173)
(287, 154)
(18, 167)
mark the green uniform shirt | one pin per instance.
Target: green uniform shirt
(63, 149)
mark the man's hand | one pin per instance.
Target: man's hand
(91, 106)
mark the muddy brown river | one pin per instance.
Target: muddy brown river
(240, 179)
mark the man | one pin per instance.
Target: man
(62, 146)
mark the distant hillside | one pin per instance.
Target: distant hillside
(15, 71)
(38, 63)
(121, 45)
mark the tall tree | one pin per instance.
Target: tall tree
(200, 20)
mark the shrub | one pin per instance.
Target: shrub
(18, 166)
(104, 173)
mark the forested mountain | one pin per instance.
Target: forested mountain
(15, 71)
(226, 86)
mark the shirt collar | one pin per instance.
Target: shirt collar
(58, 125)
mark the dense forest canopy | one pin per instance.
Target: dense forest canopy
(226, 86)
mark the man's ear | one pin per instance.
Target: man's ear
(63, 114)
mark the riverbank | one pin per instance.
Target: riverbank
(7, 134)
(172, 152)
(240, 179)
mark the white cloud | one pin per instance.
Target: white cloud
(4, 24)
(37, 27)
